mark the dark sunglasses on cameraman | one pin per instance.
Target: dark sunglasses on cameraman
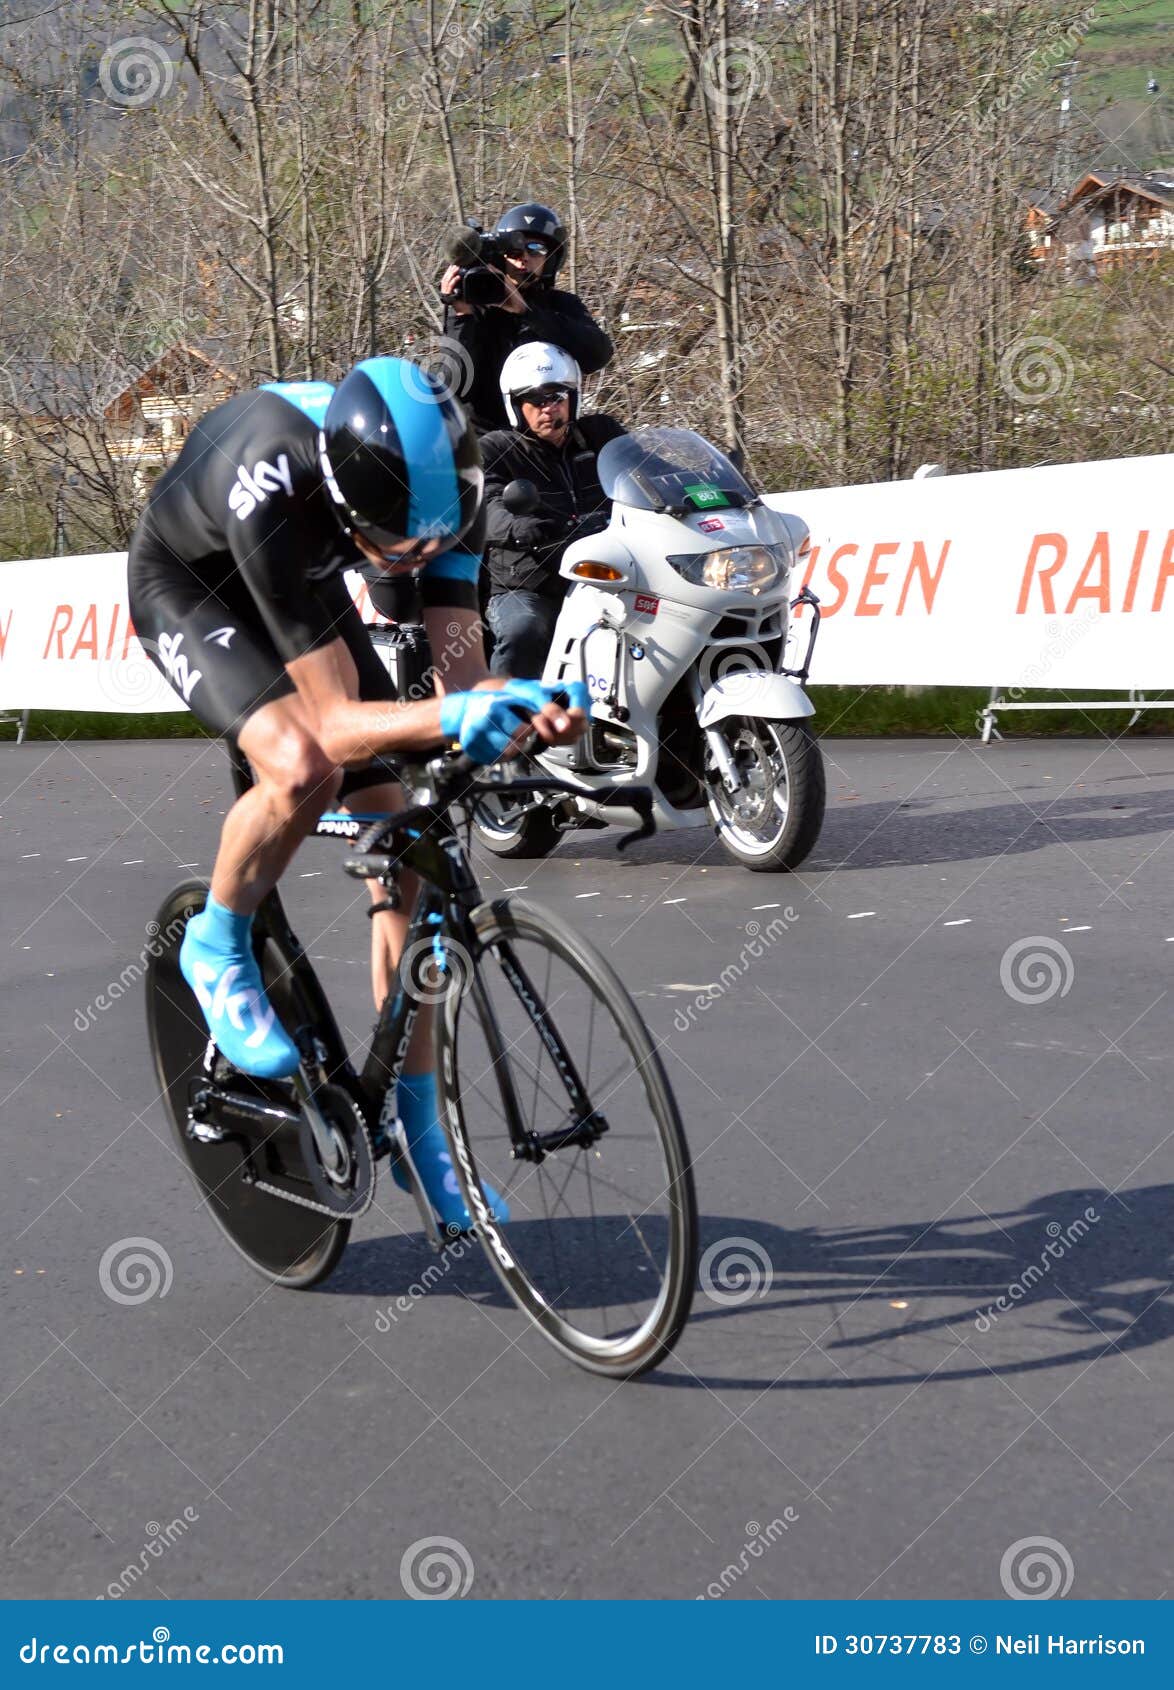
(541, 397)
(516, 245)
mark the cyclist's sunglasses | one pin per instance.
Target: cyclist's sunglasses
(541, 397)
(516, 245)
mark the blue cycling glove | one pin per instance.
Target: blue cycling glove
(483, 723)
(540, 694)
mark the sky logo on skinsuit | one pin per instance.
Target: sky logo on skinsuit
(253, 487)
(182, 678)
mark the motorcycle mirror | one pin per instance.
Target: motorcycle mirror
(520, 498)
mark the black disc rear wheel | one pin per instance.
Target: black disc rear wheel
(599, 1247)
(286, 1242)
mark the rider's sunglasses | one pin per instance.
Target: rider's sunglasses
(517, 245)
(542, 397)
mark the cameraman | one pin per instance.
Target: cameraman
(525, 250)
(552, 446)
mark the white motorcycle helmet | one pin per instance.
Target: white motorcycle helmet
(537, 364)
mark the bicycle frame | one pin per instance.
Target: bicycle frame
(422, 839)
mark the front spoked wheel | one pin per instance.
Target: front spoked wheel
(555, 1097)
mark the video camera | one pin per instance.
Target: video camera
(480, 259)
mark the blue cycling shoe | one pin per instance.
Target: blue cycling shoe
(216, 959)
(416, 1098)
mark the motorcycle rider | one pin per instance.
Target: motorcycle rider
(533, 309)
(554, 447)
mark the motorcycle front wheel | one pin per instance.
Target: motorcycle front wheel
(773, 820)
(510, 830)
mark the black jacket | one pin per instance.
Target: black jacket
(525, 551)
(489, 336)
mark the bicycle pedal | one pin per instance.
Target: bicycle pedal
(205, 1132)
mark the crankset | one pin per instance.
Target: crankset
(318, 1156)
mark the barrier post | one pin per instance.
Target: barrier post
(996, 704)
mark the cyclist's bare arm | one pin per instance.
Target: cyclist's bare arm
(351, 731)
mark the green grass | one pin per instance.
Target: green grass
(840, 712)
(95, 724)
(1130, 42)
(850, 712)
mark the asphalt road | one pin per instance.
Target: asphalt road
(946, 1164)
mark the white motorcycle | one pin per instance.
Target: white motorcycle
(677, 620)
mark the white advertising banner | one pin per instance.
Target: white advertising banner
(1051, 577)
(1060, 577)
(67, 643)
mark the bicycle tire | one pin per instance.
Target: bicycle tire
(284, 1242)
(634, 1353)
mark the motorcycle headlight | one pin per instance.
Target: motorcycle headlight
(747, 569)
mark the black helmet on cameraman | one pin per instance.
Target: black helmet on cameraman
(541, 222)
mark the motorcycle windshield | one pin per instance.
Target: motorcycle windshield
(670, 469)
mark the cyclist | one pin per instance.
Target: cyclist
(237, 594)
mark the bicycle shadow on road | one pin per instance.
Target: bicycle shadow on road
(1073, 1277)
(915, 832)
(919, 831)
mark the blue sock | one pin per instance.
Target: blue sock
(416, 1101)
(224, 928)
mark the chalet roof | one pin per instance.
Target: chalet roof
(1156, 185)
(48, 387)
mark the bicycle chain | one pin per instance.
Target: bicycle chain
(323, 1208)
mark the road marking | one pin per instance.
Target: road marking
(963, 922)
(861, 915)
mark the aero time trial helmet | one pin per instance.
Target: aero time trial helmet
(399, 455)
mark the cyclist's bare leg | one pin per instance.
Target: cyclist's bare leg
(389, 929)
(295, 782)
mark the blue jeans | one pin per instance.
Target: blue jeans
(522, 625)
